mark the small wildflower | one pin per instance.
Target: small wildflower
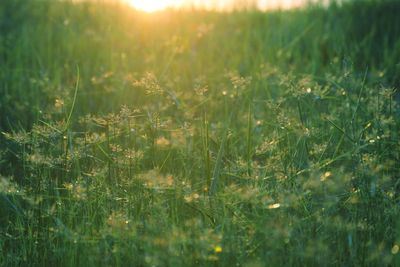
(217, 249)
(395, 249)
(58, 103)
(154, 179)
(150, 83)
(192, 197)
(162, 141)
(69, 186)
(274, 206)
(325, 176)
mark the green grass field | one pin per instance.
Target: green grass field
(198, 138)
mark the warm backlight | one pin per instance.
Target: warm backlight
(153, 5)
(157, 5)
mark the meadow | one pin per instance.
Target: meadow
(199, 138)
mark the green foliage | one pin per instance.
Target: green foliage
(194, 138)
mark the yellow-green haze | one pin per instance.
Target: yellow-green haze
(199, 138)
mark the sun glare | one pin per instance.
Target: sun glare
(158, 5)
(153, 5)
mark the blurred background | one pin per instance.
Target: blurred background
(154, 5)
(215, 4)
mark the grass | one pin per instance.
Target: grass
(197, 138)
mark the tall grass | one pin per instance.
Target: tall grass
(197, 138)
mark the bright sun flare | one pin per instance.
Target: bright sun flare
(152, 5)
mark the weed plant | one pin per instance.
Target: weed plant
(197, 138)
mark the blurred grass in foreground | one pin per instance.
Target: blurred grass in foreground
(199, 138)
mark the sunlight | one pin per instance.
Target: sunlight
(153, 5)
(158, 5)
